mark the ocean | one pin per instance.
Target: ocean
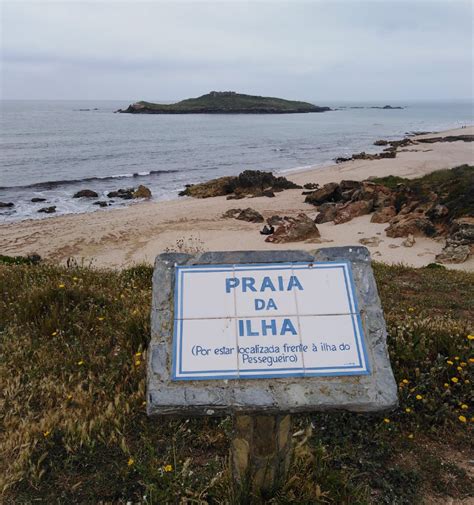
(52, 149)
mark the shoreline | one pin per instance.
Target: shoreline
(137, 233)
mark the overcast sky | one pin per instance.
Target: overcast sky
(317, 50)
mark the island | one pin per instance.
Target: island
(225, 102)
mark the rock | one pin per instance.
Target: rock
(328, 193)
(142, 192)
(327, 212)
(381, 143)
(351, 210)
(48, 210)
(438, 212)
(267, 230)
(342, 159)
(37, 199)
(6, 205)
(295, 229)
(248, 183)
(454, 254)
(415, 223)
(85, 193)
(384, 215)
(370, 241)
(462, 231)
(250, 215)
(235, 197)
(275, 220)
(393, 246)
(409, 241)
(101, 203)
(311, 185)
(231, 213)
(350, 185)
(126, 194)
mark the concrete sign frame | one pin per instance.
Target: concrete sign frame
(372, 389)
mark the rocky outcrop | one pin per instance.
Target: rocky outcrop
(6, 205)
(459, 243)
(142, 192)
(250, 183)
(294, 229)
(37, 200)
(85, 193)
(48, 210)
(330, 192)
(416, 224)
(384, 215)
(250, 215)
(350, 210)
(327, 213)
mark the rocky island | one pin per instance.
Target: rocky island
(225, 102)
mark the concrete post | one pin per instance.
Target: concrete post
(261, 452)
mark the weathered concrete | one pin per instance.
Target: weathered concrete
(362, 393)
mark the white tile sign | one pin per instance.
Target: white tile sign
(266, 320)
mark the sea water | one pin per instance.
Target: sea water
(52, 149)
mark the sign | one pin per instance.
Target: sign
(255, 321)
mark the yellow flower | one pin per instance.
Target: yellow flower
(405, 381)
(122, 296)
(464, 406)
(467, 381)
(449, 362)
(446, 385)
(130, 461)
(410, 435)
(137, 362)
(386, 420)
(69, 397)
(471, 360)
(168, 468)
(419, 397)
(75, 278)
(54, 333)
(459, 368)
(138, 354)
(143, 403)
(61, 286)
(456, 358)
(46, 433)
(411, 309)
(462, 419)
(455, 380)
(80, 362)
(135, 312)
(101, 318)
(470, 337)
(408, 409)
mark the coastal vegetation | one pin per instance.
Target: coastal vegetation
(225, 102)
(74, 427)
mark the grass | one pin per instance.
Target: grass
(73, 422)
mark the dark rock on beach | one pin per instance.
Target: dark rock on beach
(101, 203)
(250, 183)
(294, 229)
(37, 200)
(85, 193)
(48, 210)
(250, 215)
(6, 205)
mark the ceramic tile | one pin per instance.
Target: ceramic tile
(333, 343)
(269, 346)
(265, 293)
(324, 291)
(204, 294)
(206, 345)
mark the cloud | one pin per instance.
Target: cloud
(316, 50)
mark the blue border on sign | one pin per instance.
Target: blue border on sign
(281, 372)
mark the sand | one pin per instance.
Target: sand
(122, 237)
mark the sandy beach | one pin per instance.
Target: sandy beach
(135, 234)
